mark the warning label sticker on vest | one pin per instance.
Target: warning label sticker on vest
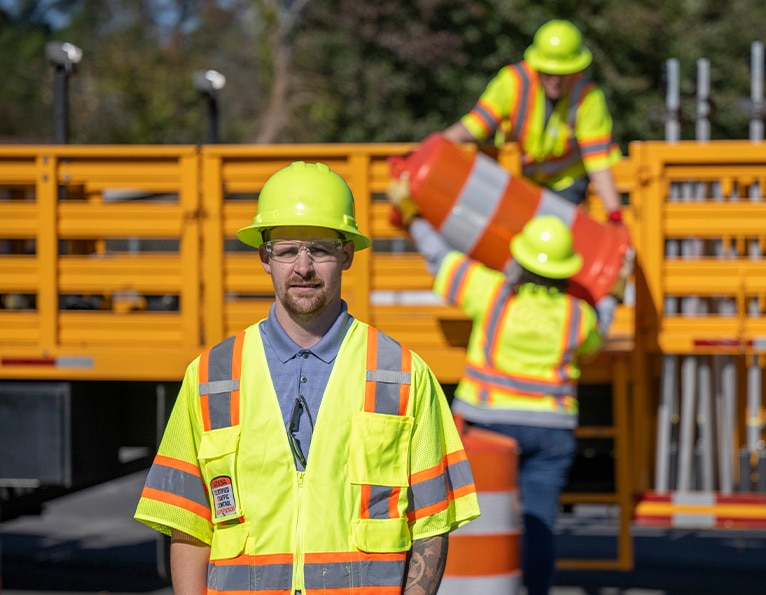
(222, 491)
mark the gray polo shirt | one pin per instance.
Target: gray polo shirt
(296, 371)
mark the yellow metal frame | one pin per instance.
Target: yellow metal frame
(55, 200)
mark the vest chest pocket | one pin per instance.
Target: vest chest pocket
(218, 462)
(379, 449)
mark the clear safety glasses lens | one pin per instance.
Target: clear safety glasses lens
(287, 251)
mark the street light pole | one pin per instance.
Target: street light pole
(209, 84)
(64, 56)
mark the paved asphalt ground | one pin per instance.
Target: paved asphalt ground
(88, 543)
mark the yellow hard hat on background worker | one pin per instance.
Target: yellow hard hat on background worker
(557, 49)
(305, 194)
(545, 248)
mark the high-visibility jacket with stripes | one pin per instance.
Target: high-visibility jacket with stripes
(576, 137)
(386, 467)
(522, 356)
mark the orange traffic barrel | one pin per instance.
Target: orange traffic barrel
(484, 555)
(478, 206)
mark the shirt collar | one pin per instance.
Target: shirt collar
(327, 347)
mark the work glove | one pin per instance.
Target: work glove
(615, 217)
(403, 208)
(605, 312)
(628, 262)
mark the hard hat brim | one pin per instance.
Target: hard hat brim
(252, 235)
(541, 64)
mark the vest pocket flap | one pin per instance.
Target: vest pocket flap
(218, 462)
(229, 542)
(217, 443)
(379, 449)
(381, 535)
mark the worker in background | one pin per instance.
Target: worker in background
(522, 359)
(558, 117)
(310, 452)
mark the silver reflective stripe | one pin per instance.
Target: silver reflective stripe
(427, 493)
(218, 386)
(576, 95)
(378, 506)
(476, 204)
(552, 204)
(220, 383)
(436, 490)
(504, 382)
(388, 375)
(179, 483)
(225, 576)
(492, 325)
(363, 573)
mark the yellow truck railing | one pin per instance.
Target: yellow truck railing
(68, 294)
(120, 263)
(701, 238)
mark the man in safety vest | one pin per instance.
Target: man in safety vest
(309, 453)
(558, 117)
(522, 360)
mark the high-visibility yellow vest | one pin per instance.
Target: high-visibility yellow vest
(576, 138)
(386, 466)
(523, 351)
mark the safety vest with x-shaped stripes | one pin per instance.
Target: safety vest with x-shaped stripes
(387, 466)
(557, 147)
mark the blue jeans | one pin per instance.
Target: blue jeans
(546, 456)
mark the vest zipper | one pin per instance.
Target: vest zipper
(298, 564)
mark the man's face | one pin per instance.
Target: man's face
(555, 85)
(306, 288)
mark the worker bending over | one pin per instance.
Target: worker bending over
(555, 113)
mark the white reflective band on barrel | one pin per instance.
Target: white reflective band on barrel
(497, 584)
(500, 513)
(478, 200)
(552, 204)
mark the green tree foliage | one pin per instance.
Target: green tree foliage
(351, 71)
(22, 95)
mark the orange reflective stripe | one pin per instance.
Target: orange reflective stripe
(325, 557)
(429, 473)
(220, 369)
(526, 88)
(501, 302)
(372, 364)
(456, 282)
(404, 389)
(236, 372)
(184, 466)
(570, 335)
(433, 489)
(365, 504)
(178, 501)
(393, 501)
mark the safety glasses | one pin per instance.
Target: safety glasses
(287, 251)
(299, 405)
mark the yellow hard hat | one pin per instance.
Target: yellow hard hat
(557, 49)
(305, 194)
(545, 247)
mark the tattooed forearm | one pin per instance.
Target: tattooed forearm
(427, 560)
